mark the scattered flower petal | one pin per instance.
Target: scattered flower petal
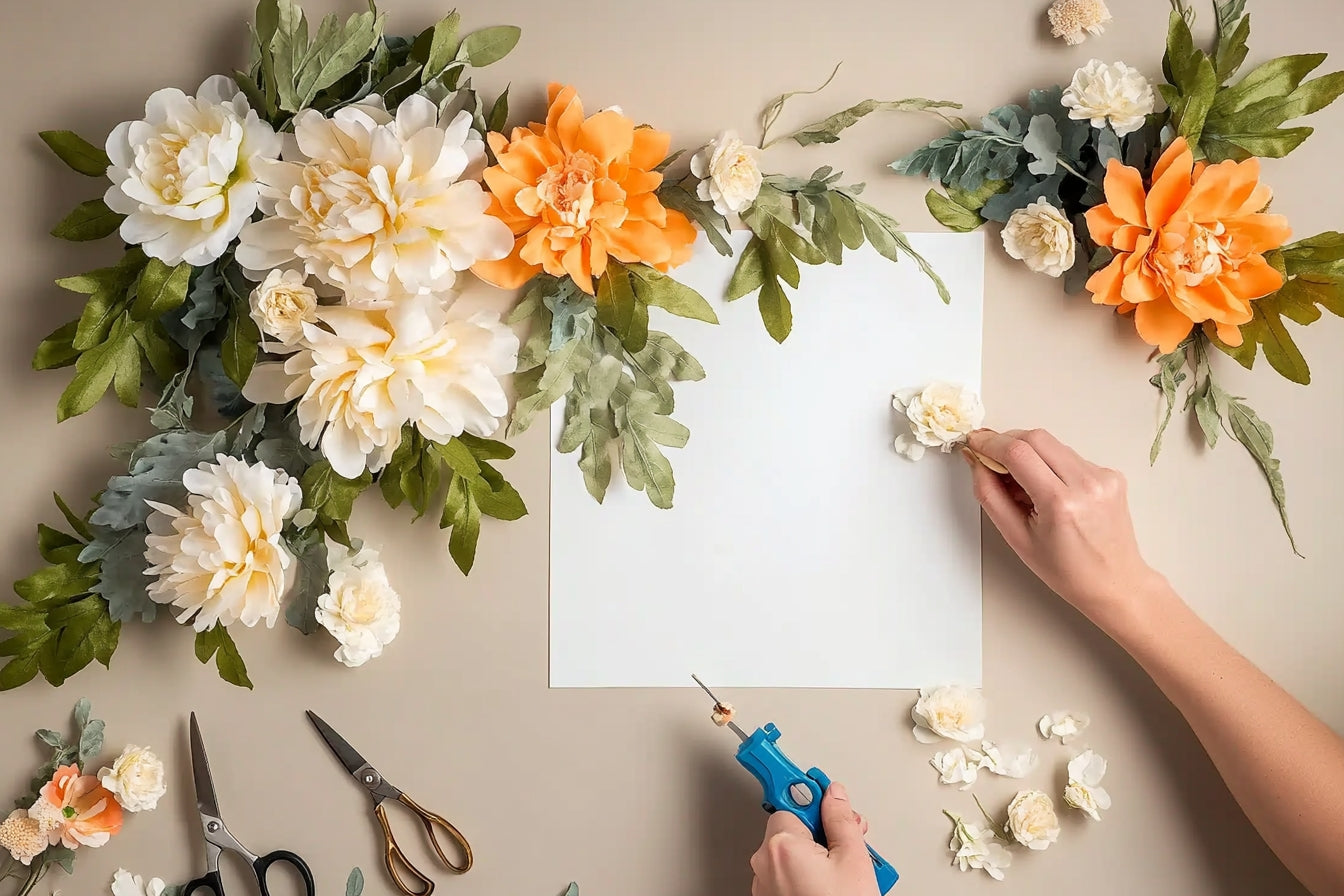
(959, 765)
(1063, 724)
(1008, 762)
(1084, 791)
(126, 884)
(977, 848)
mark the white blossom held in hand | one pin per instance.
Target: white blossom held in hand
(729, 172)
(282, 304)
(940, 415)
(1032, 820)
(949, 712)
(1041, 237)
(1074, 20)
(1113, 93)
(126, 884)
(977, 848)
(360, 609)
(223, 560)
(959, 765)
(1063, 724)
(1007, 762)
(380, 206)
(136, 779)
(185, 174)
(1084, 791)
(23, 837)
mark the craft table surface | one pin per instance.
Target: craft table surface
(634, 792)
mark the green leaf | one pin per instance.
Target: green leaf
(642, 430)
(884, 235)
(78, 153)
(1234, 27)
(91, 741)
(354, 885)
(499, 112)
(776, 311)
(486, 449)
(652, 287)
(83, 712)
(329, 493)
(160, 289)
(465, 522)
(437, 46)
(702, 212)
(218, 643)
(781, 261)
(126, 377)
(951, 214)
(1245, 119)
(1258, 439)
(58, 349)
(1170, 374)
(1191, 108)
(749, 274)
(94, 372)
(489, 45)
(562, 365)
(617, 306)
(310, 583)
(19, 671)
(828, 129)
(496, 497)
(240, 347)
(773, 108)
(78, 524)
(91, 220)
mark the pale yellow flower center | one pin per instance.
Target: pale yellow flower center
(567, 189)
(1207, 253)
(363, 606)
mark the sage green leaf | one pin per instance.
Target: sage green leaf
(846, 219)
(773, 108)
(884, 235)
(825, 232)
(83, 712)
(499, 112)
(335, 51)
(437, 46)
(1043, 143)
(776, 310)
(591, 391)
(616, 300)
(241, 342)
(91, 737)
(218, 643)
(310, 583)
(354, 884)
(797, 245)
(642, 430)
(782, 265)
(487, 449)
(78, 153)
(1170, 374)
(950, 214)
(749, 274)
(1191, 109)
(562, 365)
(489, 45)
(828, 129)
(58, 349)
(1258, 439)
(160, 289)
(653, 287)
(90, 220)
(1276, 79)
(1234, 27)
(702, 212)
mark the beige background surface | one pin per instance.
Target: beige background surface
(634, 792)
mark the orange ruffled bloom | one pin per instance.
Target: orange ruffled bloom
(89, 813)
(1191, 250)
(576, 191)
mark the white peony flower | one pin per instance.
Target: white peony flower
(1006, 761)
(222, 560)
(362, 374)
(729, 172)
(948, 712)
(126, 884)
(1042, 237)
(282, 304)
(959, 765)
(1084, 790)
(1074, 20)
(185, 174)
(1110, 93)
(360, 609)
(23, 837)
(1063, 724)
(1032, 820)
(378, 205)
(136, 779)
(977, 848)
(941, 416)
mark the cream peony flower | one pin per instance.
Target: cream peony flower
(977, 848)
(948, 712)
(729, 172)
(1074, 20)
(1040, 236)
(48, 815)
(126, 884)
(185, 174)
(959, 765)
(1063, 724)
(222, 560)
(282, 304)
(1032, 820)
(361, 375)
(378, 205)
(22, 837)
(360, 609)
(941, 416)
(136, 779)
(1084, 791)
(1007, 762)
(1110, 93)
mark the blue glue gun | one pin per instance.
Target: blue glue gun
(787, 788)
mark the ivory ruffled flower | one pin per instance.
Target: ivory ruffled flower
(1032, 820)
(380, 206)
(1063, 724)
(360, 609)
(977, 848)
(91, 815)
(941, 415)
(948, 712)
(959, 765)
(22, 837)
(1041, 237)
(136, 779)
(1074, 20)
(282, 304)
(576, 191)
(1084, 791)
(126, 884)
(223, 560)
(1190, 250)
(185, 174)
(729, 172)
(1114, 93)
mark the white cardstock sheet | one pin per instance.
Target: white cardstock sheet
(801, 550)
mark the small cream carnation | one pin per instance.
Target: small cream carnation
(1032, 820)
(940, 415)
(1084, 791)
(729, 172)
(1040, 236)
(1074, 20)
(1063, 724)
(282, 304)
(948, 712)
(136, 779)
(1114, 93)
(22, 837)
(360, 609)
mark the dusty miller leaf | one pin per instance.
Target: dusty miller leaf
(1170, 374)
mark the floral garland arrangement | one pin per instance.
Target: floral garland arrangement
(1160, 214)
(294, 238)
(68, 807)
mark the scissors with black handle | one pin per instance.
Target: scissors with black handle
(218, 840)
(380, 791)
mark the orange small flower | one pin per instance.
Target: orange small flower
(1190, 250)
(88, 813)
(576, 191)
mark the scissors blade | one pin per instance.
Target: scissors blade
(206, 801)
(349, 756)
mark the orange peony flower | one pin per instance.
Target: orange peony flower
(576, 191)
(88, 813)
(1191, 250)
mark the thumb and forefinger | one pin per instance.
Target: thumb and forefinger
(843, 826)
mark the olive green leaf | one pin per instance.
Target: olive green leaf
(1244, 120)
(218, 643)
(160, 289)
(489, 45)
(773, 108)
(652, 287)
(242, 339)
(1234, 27)
(715, 226)
(78, 153)
(1170, 374)
(58, 349)
(828, 129)
(1258, 438)
(437, 46)
(90, 220)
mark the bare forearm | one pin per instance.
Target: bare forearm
(1283, 765)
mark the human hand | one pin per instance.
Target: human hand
(791, 863)
(1067, 518)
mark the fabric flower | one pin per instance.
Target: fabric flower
(282, 304)
(1063, 724)
(959, 765)
(1032, 820)
(223, 560)
(1190, 250)
(1112, 93)
(22, 837)
(136, 779)
(49, 817)
(360, 609)
(185, 174)
(1084, 790)
(941, 415)
(1074, 20)
(360, 376)
(91, 815)
(576, 191)
(1007, 762)
(126, 884)
(948, 712)
(380, 206)
(977, 848)
(729, 172)
(1040, 236)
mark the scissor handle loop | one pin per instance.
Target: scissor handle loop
(209, 881)
(432, 820)
(262, 868)
(396, 860)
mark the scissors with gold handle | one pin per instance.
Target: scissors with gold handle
(381, 791)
